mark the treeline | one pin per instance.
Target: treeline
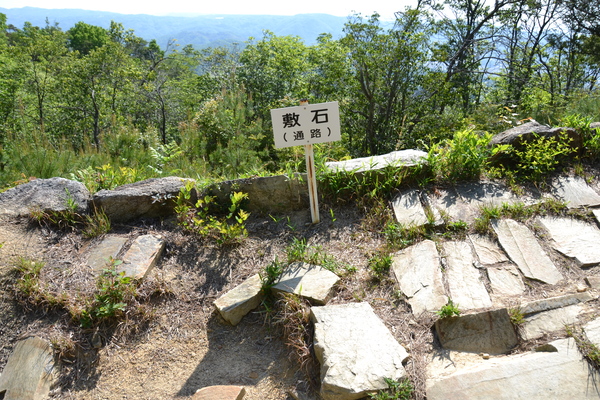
(91, 96)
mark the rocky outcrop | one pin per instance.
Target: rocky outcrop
(47, 195)
(151, 198)
(266, 194)
(526, 132)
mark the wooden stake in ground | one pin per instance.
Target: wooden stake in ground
(307, 125)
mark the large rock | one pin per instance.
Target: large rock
(266, 194)
(239, 301)
(356, 351)
(526, 132)
(151, 198)
(574, 238)
(488, 332)
(575, 191)
(467, 290)
(48, 195)
(522, 247)
(29, 372)
(418, 272)
(537, 375)
(312, 282)
(400, 159)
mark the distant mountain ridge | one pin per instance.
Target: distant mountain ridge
(199, 31)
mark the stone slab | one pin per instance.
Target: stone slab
(487, 251)
(537, 325)
(506, 280)
(522, 247)
(575, 191)
(408, 209)
(592, 331)
(574, 238)
(593, 281)
(142, 256)
(488, 332)
(312, 282)
(356, 351)
(99, 255)
(239, 301)
(29, 372)
(552, 303)
(478, 194)
(467, 291)
(419, 275)
(535, 375)
(401, 158)
(448, 202)
(220, 392)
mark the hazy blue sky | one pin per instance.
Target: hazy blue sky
(385, 8)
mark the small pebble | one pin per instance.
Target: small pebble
(486, 356)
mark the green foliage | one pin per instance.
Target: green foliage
(28, 285)
(202, 221)
(588, 350)
(464, 157)
(537, 158)
(298, 250)
(114, 290)
(84, 37)
(106, 177)
(397, 390)
(96, 224)
(449, 310)
(380, 264)
(517, 317)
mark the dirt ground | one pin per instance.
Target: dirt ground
(181, 344)
(184, 345)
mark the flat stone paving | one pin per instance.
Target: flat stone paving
(467, 290)
(562, 374)
(522, 247)
(575, 191)
(575, 239)
(418, 271)
(142, 256)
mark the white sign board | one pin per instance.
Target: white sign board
(307, 124)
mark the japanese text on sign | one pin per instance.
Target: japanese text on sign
(308, 124)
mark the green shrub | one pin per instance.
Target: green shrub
(201, 219)
(449, 310)
(397, 390)
(380, 264)
(464, 157)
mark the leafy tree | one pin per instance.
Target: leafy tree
(389, 69)
(84, 37)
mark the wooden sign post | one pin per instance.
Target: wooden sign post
(307, 125)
